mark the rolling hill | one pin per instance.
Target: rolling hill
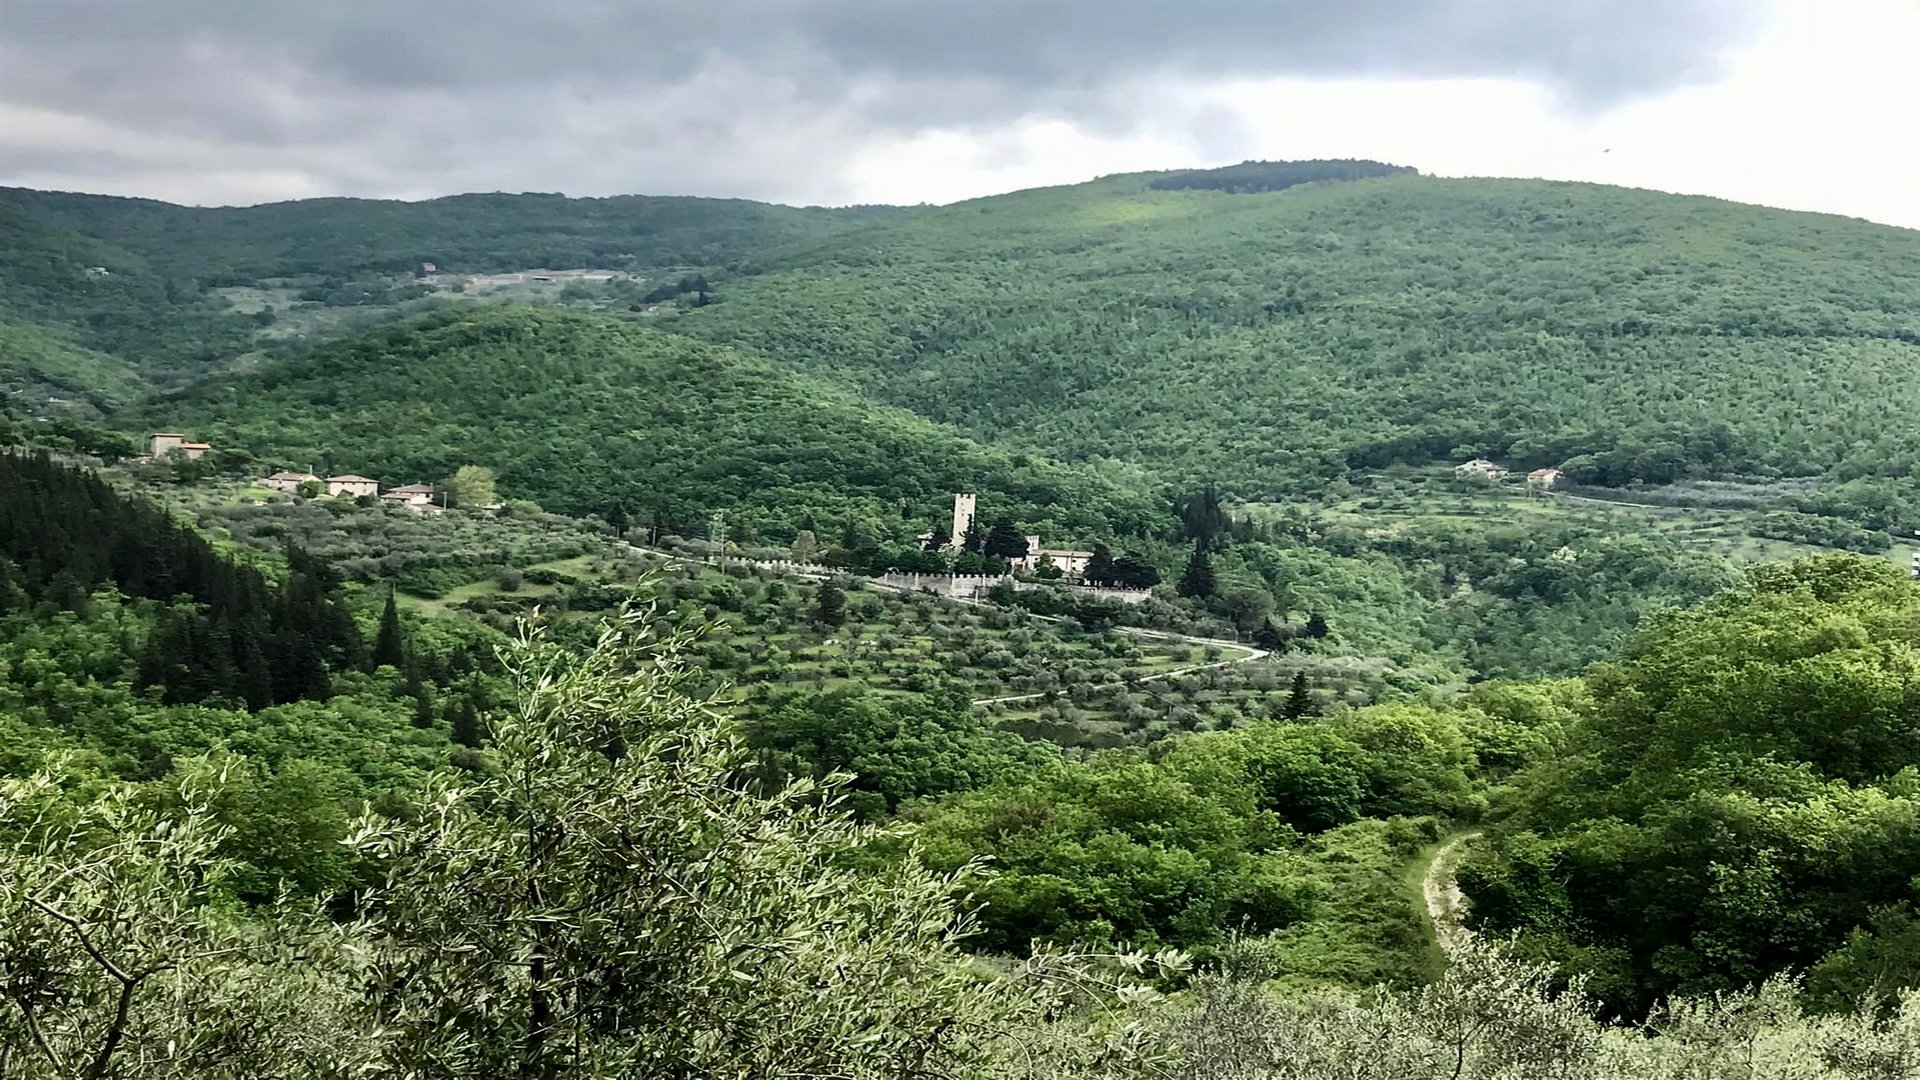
(1278, 340)
(1274, 326)
(585, 414)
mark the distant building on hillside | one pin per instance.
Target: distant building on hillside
(1072, 563)
(289, 482)
(962, 520)
(1480, 469)
(162, 443)
(352, 486)
(415, 497)
(1543, 478)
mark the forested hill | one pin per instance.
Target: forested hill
(140, 279)
(587, 414)
(1273, 325)
(1278, 339)
(476, 233)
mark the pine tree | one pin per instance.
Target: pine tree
(1135, 571)
(1299, 699)
(390, 646)
(1004, 541)
(1198, 580)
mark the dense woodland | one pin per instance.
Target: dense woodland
(296, 786)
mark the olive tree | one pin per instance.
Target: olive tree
(617, 898)
(119, 958)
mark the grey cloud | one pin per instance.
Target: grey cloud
(365, 91)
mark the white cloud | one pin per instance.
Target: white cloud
(1812, 116)
(909, 105)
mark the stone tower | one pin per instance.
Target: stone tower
(962, 519)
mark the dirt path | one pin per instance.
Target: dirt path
(1446, 905)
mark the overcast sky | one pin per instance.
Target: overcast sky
(1797, 103)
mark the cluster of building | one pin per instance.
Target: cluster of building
(417, 497)
(421, 498)
(1072, 563)
(1483, 469)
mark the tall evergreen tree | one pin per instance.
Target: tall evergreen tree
(1201, 517)
(1299, 698)
(1099, 569)
(830, 605)
(1198, 581)
(1005, 541)
(390, 646)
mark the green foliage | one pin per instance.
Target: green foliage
(618, 414)
(1289, 339)
(45, 373)
(895, 749)
(1739, 799)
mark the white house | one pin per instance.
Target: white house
(415, 497)
(352, 486)
(288, 482)
(1481, 469)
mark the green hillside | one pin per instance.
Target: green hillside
(42, 372)
(587, 415)
(140, 279)
(1277, 340)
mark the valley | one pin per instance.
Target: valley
(1458, 580)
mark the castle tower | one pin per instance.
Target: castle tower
(962, 520)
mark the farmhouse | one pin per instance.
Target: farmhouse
(1480, 469)
(162, 443)
(352, 486)
(288, 482)
(416, 497)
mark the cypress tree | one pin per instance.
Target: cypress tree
(389, 646)
(463, 723)
(830, 605)
(1198, 580)
(1299, 699)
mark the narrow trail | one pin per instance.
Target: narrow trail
(1439, 886)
